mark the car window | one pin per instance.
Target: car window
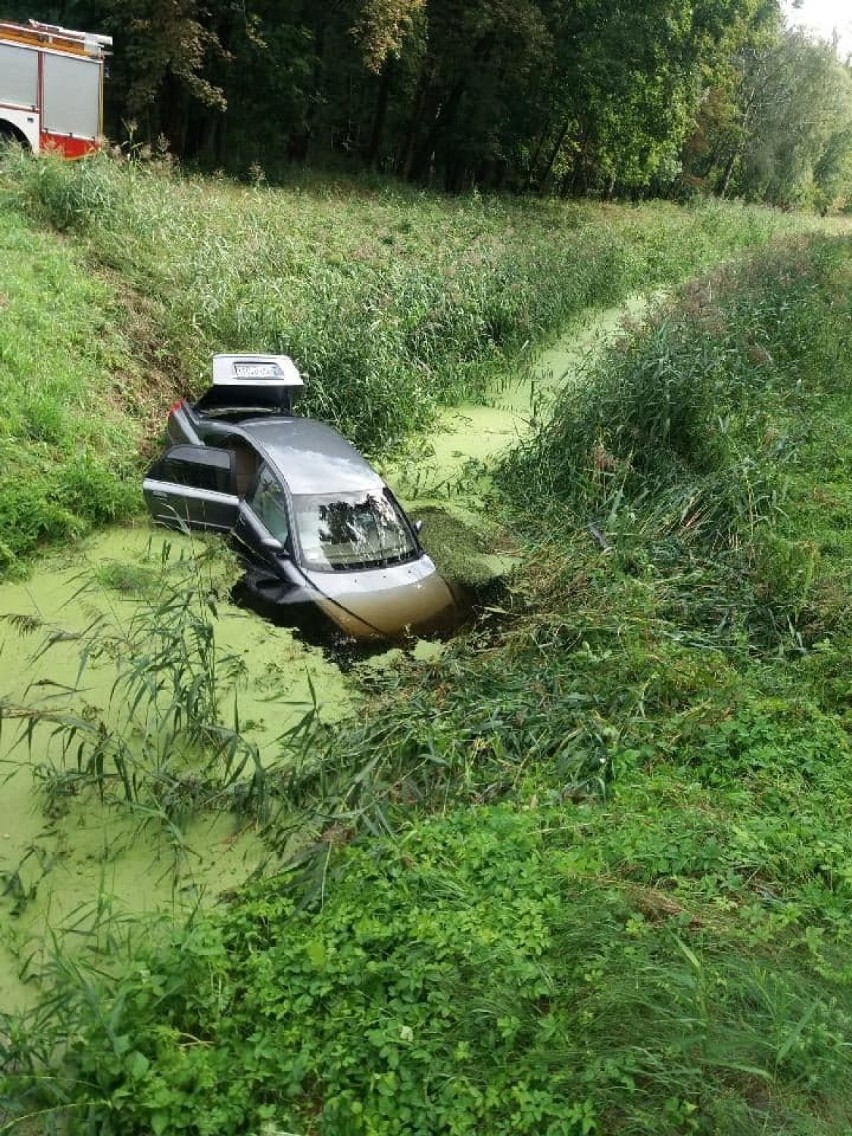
(193, 473)
(269, 502)
(345, 531)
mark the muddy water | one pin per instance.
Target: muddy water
(86, 867)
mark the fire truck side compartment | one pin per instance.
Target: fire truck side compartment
(51, 82)
(71, 95)
(18, 76)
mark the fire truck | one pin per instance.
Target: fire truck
(51, 87)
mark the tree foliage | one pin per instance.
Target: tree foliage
(578, 96)
(777, 127)
(381, 28)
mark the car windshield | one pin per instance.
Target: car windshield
(344, 531)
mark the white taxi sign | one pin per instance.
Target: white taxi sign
(260, 370)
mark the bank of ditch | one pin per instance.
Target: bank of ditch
(594, 877)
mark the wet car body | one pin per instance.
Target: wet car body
(315, 525)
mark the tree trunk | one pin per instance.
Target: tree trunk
(536, 154)
(553, 155)
(409, 141)
(729, 172)
(380, 115)
(443, 120)
(302, 145)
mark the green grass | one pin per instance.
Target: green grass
(68, 438)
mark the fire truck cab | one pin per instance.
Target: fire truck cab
(51, 87)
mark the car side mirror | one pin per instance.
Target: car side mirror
(273, 544)
(418, 527)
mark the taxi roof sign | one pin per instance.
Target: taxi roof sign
(256, 370)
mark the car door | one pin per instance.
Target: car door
(193, 487)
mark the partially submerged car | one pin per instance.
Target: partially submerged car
(315, 525)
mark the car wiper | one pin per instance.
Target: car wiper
(351, 565)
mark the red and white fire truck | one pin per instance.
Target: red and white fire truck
(51, 87)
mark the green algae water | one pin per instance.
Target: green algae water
(82, 867)
(65, 860)
(445, 479)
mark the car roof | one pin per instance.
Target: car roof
(313, 457)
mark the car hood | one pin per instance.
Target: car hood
(386, 603)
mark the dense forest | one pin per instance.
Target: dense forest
(577, 97)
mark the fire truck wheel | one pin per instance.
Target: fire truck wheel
(10, 133)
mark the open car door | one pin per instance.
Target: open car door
(193, 487)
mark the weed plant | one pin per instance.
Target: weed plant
(483, 972)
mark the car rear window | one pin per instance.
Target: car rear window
(248, 401)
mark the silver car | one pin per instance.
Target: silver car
(315, 525)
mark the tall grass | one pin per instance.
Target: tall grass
(678, 451)
(390, 301)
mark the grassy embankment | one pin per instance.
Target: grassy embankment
(68, 430)
(595, 877)
(390, 301)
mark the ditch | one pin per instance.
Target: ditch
(72, 864)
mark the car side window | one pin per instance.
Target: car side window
(183, 467)
(269, 502)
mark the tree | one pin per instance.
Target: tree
(604, 97)
(785, 134)
(167, 46)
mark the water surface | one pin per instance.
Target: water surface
(63, 866)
